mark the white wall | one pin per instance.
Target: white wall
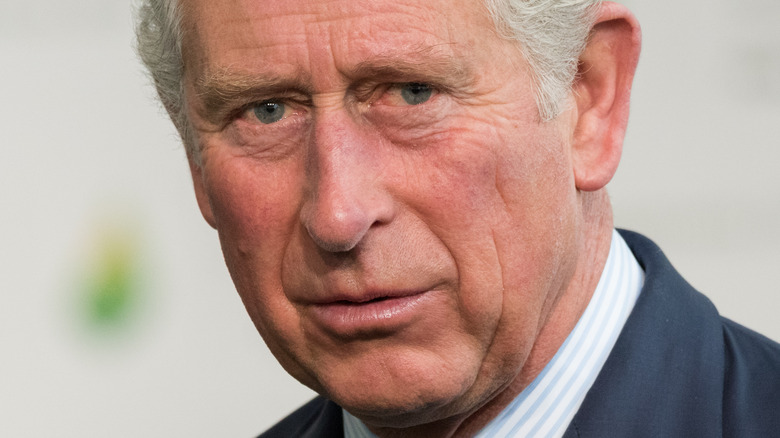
(88, 158)
(699, 169)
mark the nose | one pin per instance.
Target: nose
(346, 196)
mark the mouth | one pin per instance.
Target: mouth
(370, 316)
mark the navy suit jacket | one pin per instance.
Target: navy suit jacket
(678, 369)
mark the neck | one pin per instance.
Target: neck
(596, 236)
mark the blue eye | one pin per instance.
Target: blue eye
(416, 93)
(269, 112)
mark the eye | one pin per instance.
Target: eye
(415, 93)
(269, 112)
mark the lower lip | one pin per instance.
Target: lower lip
(370, 319)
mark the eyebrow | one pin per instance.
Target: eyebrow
(227, 88)
(428, 64)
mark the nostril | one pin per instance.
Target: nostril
(334, 246)
(337, 233)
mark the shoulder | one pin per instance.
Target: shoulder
(317, 418)
(751, 395)
(680, 369)
(748, 350)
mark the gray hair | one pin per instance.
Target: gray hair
(551, 35)
(159, 36)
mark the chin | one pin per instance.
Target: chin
(407, 403)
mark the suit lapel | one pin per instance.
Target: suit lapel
(664, 377)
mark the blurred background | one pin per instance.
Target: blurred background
(118, 317)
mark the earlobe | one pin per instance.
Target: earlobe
(200, 193)
(602, 93)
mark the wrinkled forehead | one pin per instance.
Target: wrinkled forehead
(308, 36)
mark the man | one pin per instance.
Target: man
(410, 201)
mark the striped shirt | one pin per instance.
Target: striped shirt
(546, 407)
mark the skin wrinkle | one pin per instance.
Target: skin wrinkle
(485, 190)
(222, 93)
(226, 88)
(161, 30)
(283, 87)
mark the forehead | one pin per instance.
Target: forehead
(310, 36)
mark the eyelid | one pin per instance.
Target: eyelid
(399, 85)
(233, 107)
(394, 90)
(292, 106)
(370, 92)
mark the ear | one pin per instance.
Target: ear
(602, 92)
(200, 193)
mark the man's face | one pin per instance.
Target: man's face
(395, 217)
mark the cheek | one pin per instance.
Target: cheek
(254, 204)
(500, 200)
(255, 207)
(451, 188)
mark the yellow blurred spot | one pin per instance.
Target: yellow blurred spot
(112, 285)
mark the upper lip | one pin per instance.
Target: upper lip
(364, 296)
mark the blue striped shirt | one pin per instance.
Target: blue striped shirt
(546, 407)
